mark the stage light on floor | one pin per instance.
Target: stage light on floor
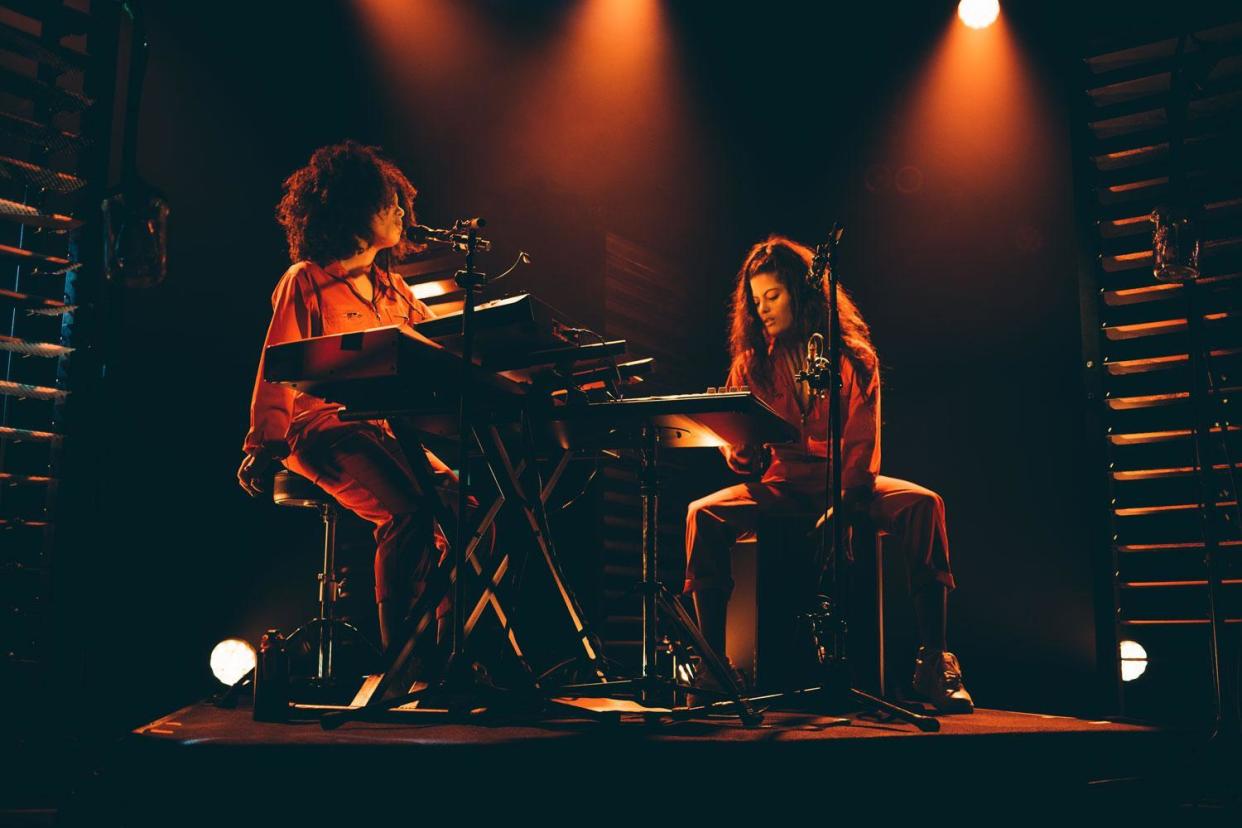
(1133, 660)
(978, 14)
(231, 659)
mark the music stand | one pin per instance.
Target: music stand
(648, 426)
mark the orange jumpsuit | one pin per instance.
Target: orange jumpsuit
(361, 464)
(796, 482)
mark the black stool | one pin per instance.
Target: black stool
(775, 581)
(291, 489)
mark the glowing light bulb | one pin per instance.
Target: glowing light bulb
(978, 14)
(231, 659)
(1133, 660)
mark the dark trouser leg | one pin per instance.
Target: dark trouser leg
(931, 615)
(368, 473)
(713, 525)
(392, 619)
(712, 607)
(914, 518)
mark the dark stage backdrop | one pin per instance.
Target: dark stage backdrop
(693, 133)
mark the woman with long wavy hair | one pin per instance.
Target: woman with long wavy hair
(774, 312)
(341, 211)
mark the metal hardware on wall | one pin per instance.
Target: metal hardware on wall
(1159, 183)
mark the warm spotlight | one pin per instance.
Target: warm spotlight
(1133, 660)
(231, 659)
(978, 14)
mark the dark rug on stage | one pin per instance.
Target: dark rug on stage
(192, 765)
(204, 724)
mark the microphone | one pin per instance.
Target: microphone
(822, 258)
(465, 225)
(458, 236)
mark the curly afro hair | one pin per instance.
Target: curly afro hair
(327, 206)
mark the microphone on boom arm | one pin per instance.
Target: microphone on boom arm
(457, 236)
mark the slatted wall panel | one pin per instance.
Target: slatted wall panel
(430, 276)
(1138, 347)
(644, 296)
(59, 70)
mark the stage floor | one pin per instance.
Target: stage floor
(193, 763)
(204, 724)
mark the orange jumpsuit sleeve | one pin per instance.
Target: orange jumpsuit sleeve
(860, 433)
(271, 405)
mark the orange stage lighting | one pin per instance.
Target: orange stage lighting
(974, 149)
(603, 107)
(978, 14)
(976, 121)
(590, 106)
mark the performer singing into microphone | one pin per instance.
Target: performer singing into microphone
(339, 212)
(774, 312)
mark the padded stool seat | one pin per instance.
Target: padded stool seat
(292, 489)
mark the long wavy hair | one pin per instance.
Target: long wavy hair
(327, 205)
(790, 262)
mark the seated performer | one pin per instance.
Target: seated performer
(774, 313)
(338, 212)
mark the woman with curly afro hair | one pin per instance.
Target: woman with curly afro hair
(342, 210)
(774, 312)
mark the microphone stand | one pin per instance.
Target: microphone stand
(459, 683)
(470, 281)
(824, 375)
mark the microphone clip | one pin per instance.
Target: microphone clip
(817, 373)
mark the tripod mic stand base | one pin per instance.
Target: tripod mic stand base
(462, 691)
(603, 696)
